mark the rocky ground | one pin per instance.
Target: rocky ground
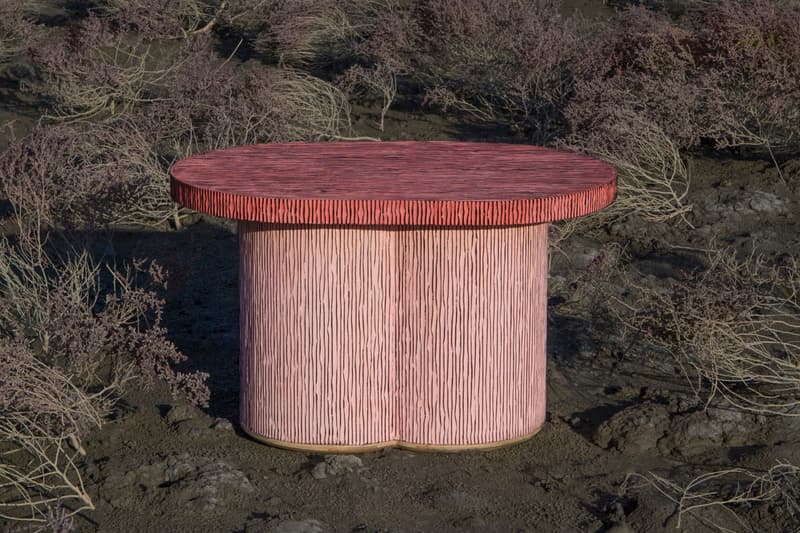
(161, 465)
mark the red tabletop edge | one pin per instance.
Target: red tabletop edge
(394, 183)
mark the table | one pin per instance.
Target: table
(392, 293)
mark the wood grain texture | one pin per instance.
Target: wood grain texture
(355, 337)
(399, 183)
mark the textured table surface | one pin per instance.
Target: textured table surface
(403, 183)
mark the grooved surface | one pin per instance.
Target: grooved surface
(317, 334)
(407, 336)
(472, 326)
(398, 183)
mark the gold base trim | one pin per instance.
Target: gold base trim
(365, 448)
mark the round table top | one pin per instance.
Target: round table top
(397, 183)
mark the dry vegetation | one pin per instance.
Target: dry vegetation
(136, 85)
(734, 328)
(652, 172)
(17, 32)
(62, 365)
(749, 73)
(73, 337)
(725, 490)
(503, 61)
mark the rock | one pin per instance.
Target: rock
(695, 432)
(583, 251)
(745, 203)
(764, 202)
(179, 413)
(309, 525)
(203, 485)
(222, 424)
(319, 471)
(174, 468)
(635, 429)
(674, 431)
(676, 402)
(756, 202)
(336, 465)
(187, 427)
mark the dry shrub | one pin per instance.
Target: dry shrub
(305, 31)
(727, 73)
(323, 33)
(635, 105)
(383, 51)
(363, 82)
(118, 167)
(727, 490)
(216, 104)
(17, 32)
(135, 147)
(74, 336)
(44, 417)
(152, 101)
(750, 54)
(643, 64)
(589, 290)
(95, 71)
(308, 108)
(653, 177)
(559, 231)
(173, 19)
(366, 44)
(733, 329)
(88, 175)
(61, 176)
(507, 60)
(219, 103)
(100, 326)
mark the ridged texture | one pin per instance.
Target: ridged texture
(317, 339)
(471, 331)
(400, 183)
(353, 336)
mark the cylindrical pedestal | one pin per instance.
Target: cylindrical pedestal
(356, 338)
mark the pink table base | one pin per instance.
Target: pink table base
(354, 338)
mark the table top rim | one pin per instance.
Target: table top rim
(586, 192)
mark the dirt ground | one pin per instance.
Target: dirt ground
(164, 466)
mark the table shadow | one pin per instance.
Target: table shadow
(201, 310)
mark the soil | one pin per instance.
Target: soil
(163, 466)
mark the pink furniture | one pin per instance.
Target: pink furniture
(392, 293)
